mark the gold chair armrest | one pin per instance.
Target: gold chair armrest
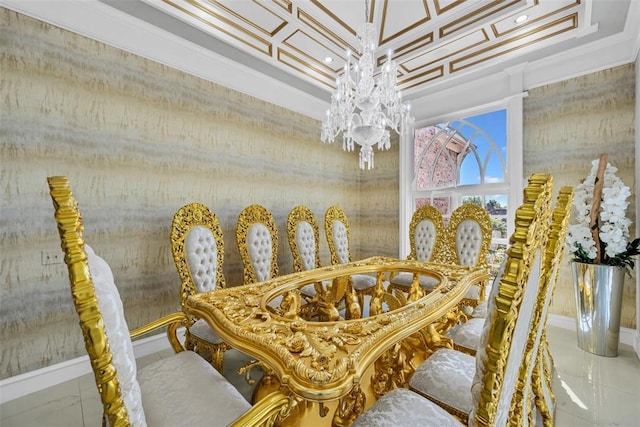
(270, 410)
(173, 321)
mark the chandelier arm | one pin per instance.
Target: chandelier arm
(364, 107)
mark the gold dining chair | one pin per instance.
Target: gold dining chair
(197, 245)
(483, 391)
(431, 372)
(426, 231)
(466, 242)
(182, 389)
(336, 227)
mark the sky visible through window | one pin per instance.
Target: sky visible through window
(494, 124)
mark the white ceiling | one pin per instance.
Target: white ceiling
(438, 44)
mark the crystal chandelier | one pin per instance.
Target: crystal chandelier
(362, 106)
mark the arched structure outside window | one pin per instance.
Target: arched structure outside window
(465, 161)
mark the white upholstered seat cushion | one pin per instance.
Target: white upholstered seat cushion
(480, 310)
(446, 376)
(405, 279)
(467, 335)
(185, 390)
(202, 258)
(117, 332)
(403, 408)
(259, 246)
(363, 281)
(473, 293)
(201, 329)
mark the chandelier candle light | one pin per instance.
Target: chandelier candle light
(363, 106)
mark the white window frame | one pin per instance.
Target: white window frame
(513, 181)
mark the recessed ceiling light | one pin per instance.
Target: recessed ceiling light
(520, 19)
(328, 60)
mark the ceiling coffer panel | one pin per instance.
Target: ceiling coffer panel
(429, 39)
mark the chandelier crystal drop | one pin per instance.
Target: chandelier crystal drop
(363, 106)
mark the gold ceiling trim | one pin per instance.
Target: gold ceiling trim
(333, 16)
(381, 41)
(324, 66)
(321, 29)
(572, 19)
(246, 21)
(465, 21)
(457, 52)
(401, 51)
(497, 33)
(286, 5)
(416, 82)
(267, 47)
(281, 54)
(440, 10)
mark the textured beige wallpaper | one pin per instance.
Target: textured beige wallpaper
(569, 124)
(138, 140)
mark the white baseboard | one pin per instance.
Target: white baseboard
(628, 336)
(30, 382)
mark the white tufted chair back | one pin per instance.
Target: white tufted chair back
(197, 246)
(260, 244)
(336, 228)
(467, 237)
(341, 241)
(302, 232)
(425, 233)
(202, 258)
(257, 238)
(306, 243)
(425, 239)
(468, 242)
(117, 332)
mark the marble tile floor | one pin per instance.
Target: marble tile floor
(591, 390)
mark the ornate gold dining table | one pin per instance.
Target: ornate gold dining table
(332, 367)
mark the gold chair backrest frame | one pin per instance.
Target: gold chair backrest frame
(432, 214)
(526, 243)
(553, 253)
(71, 230)
(256, 214)
(335, 213)
(447, 250)
(297, 215)
(185, 219)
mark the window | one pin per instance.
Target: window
(467, 160)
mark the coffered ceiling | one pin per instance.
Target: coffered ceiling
(276, 49)
(431, 40)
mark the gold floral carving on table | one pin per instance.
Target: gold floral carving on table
(323, 360)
